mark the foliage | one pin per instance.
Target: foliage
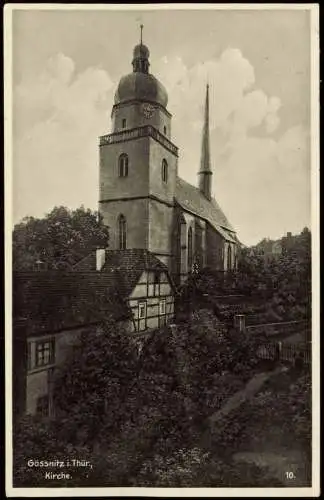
(284, 407)
(90, 389)
(288, 401)
(59, 240)
(273, 288)
(283, 280)
(127, 410)
(39, 439)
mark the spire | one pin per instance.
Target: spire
(205, 171)
(141, 39)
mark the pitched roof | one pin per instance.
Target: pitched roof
(124, 266)
(55, 300)
(190, 198)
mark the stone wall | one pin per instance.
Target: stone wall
(157, 187)
(137, 182)
(136, 213)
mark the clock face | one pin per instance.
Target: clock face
(148, 110)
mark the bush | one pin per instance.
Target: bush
(38, 439)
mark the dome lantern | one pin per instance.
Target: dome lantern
(141, 55)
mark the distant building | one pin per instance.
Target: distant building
(269, 248)
(276, 248)
(142, 198)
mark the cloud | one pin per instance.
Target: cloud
(260, 180)
(59, 116)
(236, 106)
(265, 185)
(229, 77)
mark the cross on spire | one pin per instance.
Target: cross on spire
(141, 26)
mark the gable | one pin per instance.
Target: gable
(140, 288)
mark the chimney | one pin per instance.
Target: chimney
(40, 265)
(100, 258)
(239, 322)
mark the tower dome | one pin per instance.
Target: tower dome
(142, 87)
(140, 84)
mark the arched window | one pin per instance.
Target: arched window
(123, 165)
(122, 232)
(199, 245)
(124, 123)
(164, 171)
(189, 249)
(229, 257)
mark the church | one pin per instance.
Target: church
(142, 198)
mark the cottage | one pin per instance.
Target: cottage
(51, 309)
(141, 280)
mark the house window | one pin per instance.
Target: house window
(164, 171)
(162, 311)
(142, 310)
(42, 406)
(190, 249)
(122, 232)
(156, 283)
(162, 307)
(164, 130)
(45, 353)
(123, 165)
(124, 123)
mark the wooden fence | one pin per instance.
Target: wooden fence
(282, 330)
(284, 352)
(278, 327)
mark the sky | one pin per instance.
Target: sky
(67, 65)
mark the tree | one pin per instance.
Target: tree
(91, 398)
(37, 439)
(284, 281)
(59, 240)
(91, 389)
(126, 412)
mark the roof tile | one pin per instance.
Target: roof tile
(190, 198)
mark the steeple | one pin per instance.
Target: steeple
(205, 173)
(141, 40)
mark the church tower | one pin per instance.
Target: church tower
(138, 163)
